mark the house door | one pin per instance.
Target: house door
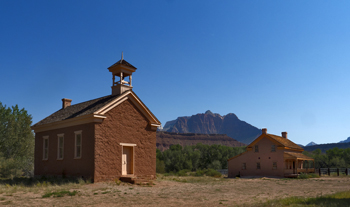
(127, 160)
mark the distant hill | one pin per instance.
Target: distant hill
(345, 141)
(311, 144)
(166, 139)
(213, 123)
(325, 147)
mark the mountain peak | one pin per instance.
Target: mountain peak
(209, 112)
(311, 144)
(213, 123)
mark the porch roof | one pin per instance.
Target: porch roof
(296, 155)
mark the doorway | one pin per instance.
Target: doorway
(128, 160)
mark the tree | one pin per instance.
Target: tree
(16, 141)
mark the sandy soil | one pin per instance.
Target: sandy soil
(174, 191)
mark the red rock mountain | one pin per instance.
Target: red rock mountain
(210, 123)
(166, 139)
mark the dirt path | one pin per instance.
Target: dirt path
(195, 192)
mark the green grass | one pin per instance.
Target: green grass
(337, 200)
(309, 175)
(60, 193)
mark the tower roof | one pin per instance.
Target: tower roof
(123, 62)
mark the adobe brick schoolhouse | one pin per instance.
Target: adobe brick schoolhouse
(271, 155)
(102, 139)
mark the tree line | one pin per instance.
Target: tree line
(16, 142)
(333, 158)
(195, 157)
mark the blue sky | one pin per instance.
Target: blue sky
(280, 65)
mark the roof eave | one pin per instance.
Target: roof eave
(69, 122)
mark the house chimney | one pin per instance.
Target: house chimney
(264, 130)
(284, 135)
(66, 102)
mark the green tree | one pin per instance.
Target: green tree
(16, 141)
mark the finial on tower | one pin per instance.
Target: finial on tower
(122, 55)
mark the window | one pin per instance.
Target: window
(258, 165)
(244, 166)
(273, 148)
(256, 147)
(60, 146)
(274, 165)
(78, 141)
(45, 147)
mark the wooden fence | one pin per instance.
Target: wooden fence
(333, 171)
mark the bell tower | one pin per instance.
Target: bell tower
(123, 70)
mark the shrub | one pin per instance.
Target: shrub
(303, 176)
(199, 173)
(182, 173)
(213, 173)
(9, 168)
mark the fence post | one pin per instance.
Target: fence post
(337, 171)
(329, 172)
(346, 171)
(319, 172)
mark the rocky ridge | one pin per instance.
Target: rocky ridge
(213, 123)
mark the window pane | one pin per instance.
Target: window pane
(78, 142)
(78, 152)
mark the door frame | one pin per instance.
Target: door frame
(133, 157)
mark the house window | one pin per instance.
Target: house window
(60, 146)
(258, 165)
(244, 166)
(274, 165)
(273, 148)
(78, 143)
(46, 148)
(256, 147)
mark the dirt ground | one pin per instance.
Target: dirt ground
(182, 191)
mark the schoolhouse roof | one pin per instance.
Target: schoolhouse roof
(76, 110)
(96, 108)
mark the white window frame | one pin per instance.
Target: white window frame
(75, 144)
(58, 146)
(45, 138)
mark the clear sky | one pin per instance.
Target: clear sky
(280, 65)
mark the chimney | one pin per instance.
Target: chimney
(264, 130)
(284, 135)
(66, 102)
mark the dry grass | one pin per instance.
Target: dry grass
(172, 191)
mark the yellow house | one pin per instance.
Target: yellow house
(271, 155)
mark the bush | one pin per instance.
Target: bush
(9, 168)
(199, 173)
(182, 173)
(306, 176)
(213, 173)
(160, 166)
(303, 176)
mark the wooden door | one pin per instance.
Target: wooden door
(124, 163)
(127, 161)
